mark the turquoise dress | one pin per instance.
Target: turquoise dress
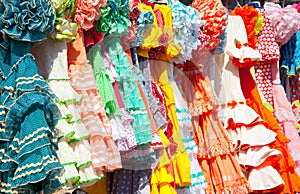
(114, 22)
(28, 114)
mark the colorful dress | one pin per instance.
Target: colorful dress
(74, 149)
(105, 154)
(120, 132)
(28, 159)
(198, 183)
(215, 151)
(241, 121)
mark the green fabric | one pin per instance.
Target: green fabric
(105, 87)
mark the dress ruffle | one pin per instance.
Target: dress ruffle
(87, 12)
(27, 20)
(243, 125)
(114, 19)
(187, 33)
(266, 178)
(33, 146)
(214, 23)
(285, 21)
(64, 29)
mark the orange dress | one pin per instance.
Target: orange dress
(163, 179)
(221, 170)
(285, 166)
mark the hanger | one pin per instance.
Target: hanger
(238, 3)
(255, 4)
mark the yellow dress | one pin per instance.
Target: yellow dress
(172, 49)
(152, 34)
(180, 161)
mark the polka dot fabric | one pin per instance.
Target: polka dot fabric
(267, 45)
(263, 80)
(269, 50)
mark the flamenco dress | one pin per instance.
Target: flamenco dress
(29, 162)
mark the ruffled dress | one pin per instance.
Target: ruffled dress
(215, 154)
(74, 149)
(122, 132)
(186, 27)
(28, 159)
(174, 169)
(214, 24)
(241, 121)
(285, 21)
(129, 91)
(267, 76)
(198, 182)
(114, 22)
(105, 154)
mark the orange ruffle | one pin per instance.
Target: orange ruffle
(285, 166)
(249, 15)
(214, 15)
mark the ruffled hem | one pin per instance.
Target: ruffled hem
(232, 189)
(24, 103)
(105, 154)
(82, 76)
(257, 135)
(45, 166)
(257, 156)
(266, 178)
(218, 149)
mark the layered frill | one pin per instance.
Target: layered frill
(87, 12)
(215, 152)
(72, 134)
(64, 29)
(251, 140)
(28, 135)
(105, 154)
(285, 21)
(214, 23)
(285, 166)
(187, 32)
(27, 20)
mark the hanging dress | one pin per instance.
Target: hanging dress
(28, 159)
(105, 154)
(198, 182)
(74, 149)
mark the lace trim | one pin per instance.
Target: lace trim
(218, 149)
